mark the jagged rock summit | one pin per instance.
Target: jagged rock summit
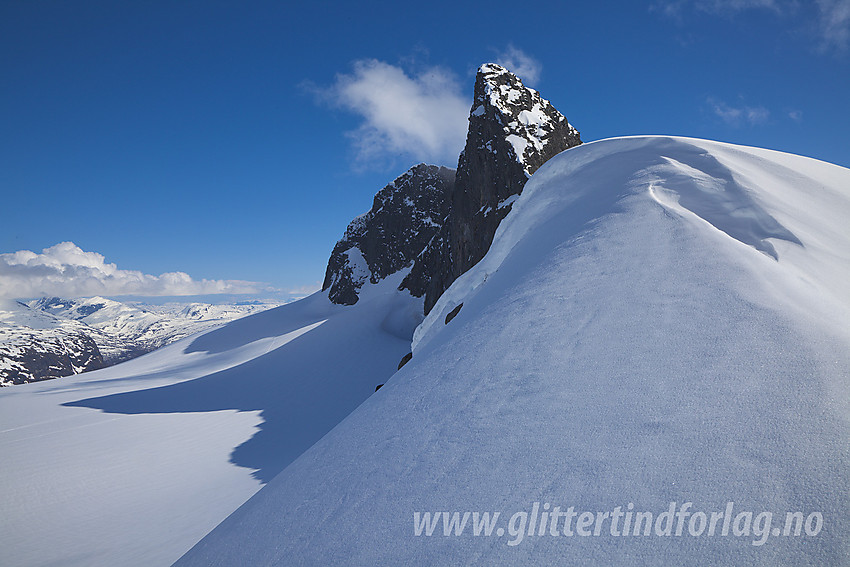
(443, 224)
(505, 110)
(405, 216)
(512, 132)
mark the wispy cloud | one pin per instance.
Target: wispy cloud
(66, 270)
(677, 8)
(732, 6)
(521, 64)
(830, 19)
(834, 24)
(738, 115)
(421, 116)
(796, 115)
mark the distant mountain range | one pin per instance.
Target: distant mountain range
(54, 337)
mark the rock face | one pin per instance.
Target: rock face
(46, 357)
(37, 346)
(405, 216)
(441, 222)
(512, 132)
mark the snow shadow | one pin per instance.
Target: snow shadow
(302, 388)
(704, 186)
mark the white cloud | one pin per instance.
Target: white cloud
(521, 64)
(834, 23)
(67, 270)
(423, 116)
(796, 115)
(737, 115)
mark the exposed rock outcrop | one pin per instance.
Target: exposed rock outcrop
(440, 223)
(512, 132)
(405, 216)
(33, 354)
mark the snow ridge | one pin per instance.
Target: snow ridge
(630, 339)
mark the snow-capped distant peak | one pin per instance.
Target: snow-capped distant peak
(53, 337)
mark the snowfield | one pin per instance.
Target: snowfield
(659, 320)
(133, 464)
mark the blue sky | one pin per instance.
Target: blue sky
(232, 142)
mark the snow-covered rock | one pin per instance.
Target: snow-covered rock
(38, 346)
(120, 325)
(405, 216)
(54, 337)
(512, 132)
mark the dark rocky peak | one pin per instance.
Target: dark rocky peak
(512, 132)
(505, 109)
(405, 216)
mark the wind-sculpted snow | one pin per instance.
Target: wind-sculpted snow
(712, 194)
(707, 182)
(658, 320)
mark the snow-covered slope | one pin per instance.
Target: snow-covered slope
(133, 464)
(659, 320)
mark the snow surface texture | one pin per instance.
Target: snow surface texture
(133, 464)
(658, 320)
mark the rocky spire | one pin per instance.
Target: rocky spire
(512, 132)
(405, 216)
